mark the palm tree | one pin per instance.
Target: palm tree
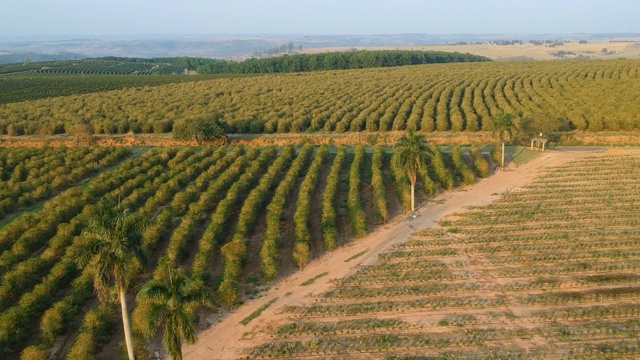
(172, 301)
(116, 241)
(409, 156)
(504, 127)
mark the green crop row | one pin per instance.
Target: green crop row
(178, 191)
(301, 217)
(214, 233)
(184, 233)
(329, 227)
(379, 189)
(235, 251)
(62, 252)
(448, 97)
(269, 252)
(357, 215)
(460, 166)
(440, 171)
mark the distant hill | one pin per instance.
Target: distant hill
(25, 57)
(243, 46)
(99, 66)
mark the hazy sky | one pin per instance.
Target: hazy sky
(122, 17)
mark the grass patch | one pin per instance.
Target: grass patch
(5, 222)
(521, 155)
(313, 279)
(258, 312)
(356, 255)
(31, 209)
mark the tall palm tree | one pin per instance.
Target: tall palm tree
(409, 157)
(172, 301)
(116, 241)
(504, 127)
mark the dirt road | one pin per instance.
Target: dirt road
(227, 339)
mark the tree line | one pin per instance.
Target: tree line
(336, 61)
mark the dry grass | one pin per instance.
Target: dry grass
(350, 139)
(628, 50)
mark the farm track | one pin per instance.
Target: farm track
(445, 296)
(233, 340)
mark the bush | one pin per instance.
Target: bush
(403, 188)
(329, 231)
(139, 351)
(356, 213)
(480, 164)
(440, 171)
(377, 182)
(269, 251)
(200, 129)
(460, 166)
(97, 327)
(34, 353)
(225, 209)
(234, 252)
(302, 236)
(53, 321)
(496, 154)
(430, 187)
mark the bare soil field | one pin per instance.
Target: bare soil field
(537, 261)
(615, 50)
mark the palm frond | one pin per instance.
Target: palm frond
(155, 291)
(504, 126)
(179, 296)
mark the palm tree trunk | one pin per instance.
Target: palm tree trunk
(171, 340)
(127, 326)
(413, 201)
(503, 154)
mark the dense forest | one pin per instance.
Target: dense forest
(336, 61)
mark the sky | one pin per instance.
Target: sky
(73, 18)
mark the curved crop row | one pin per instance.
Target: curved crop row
(41, 176)
(329, 231)
(185, 232)
(236, 251)
(220, 217)
(357, 215)
(301, 217)
(62, 313)
(269, 252)
(463, 97)
(32, 304)
(377, 182)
